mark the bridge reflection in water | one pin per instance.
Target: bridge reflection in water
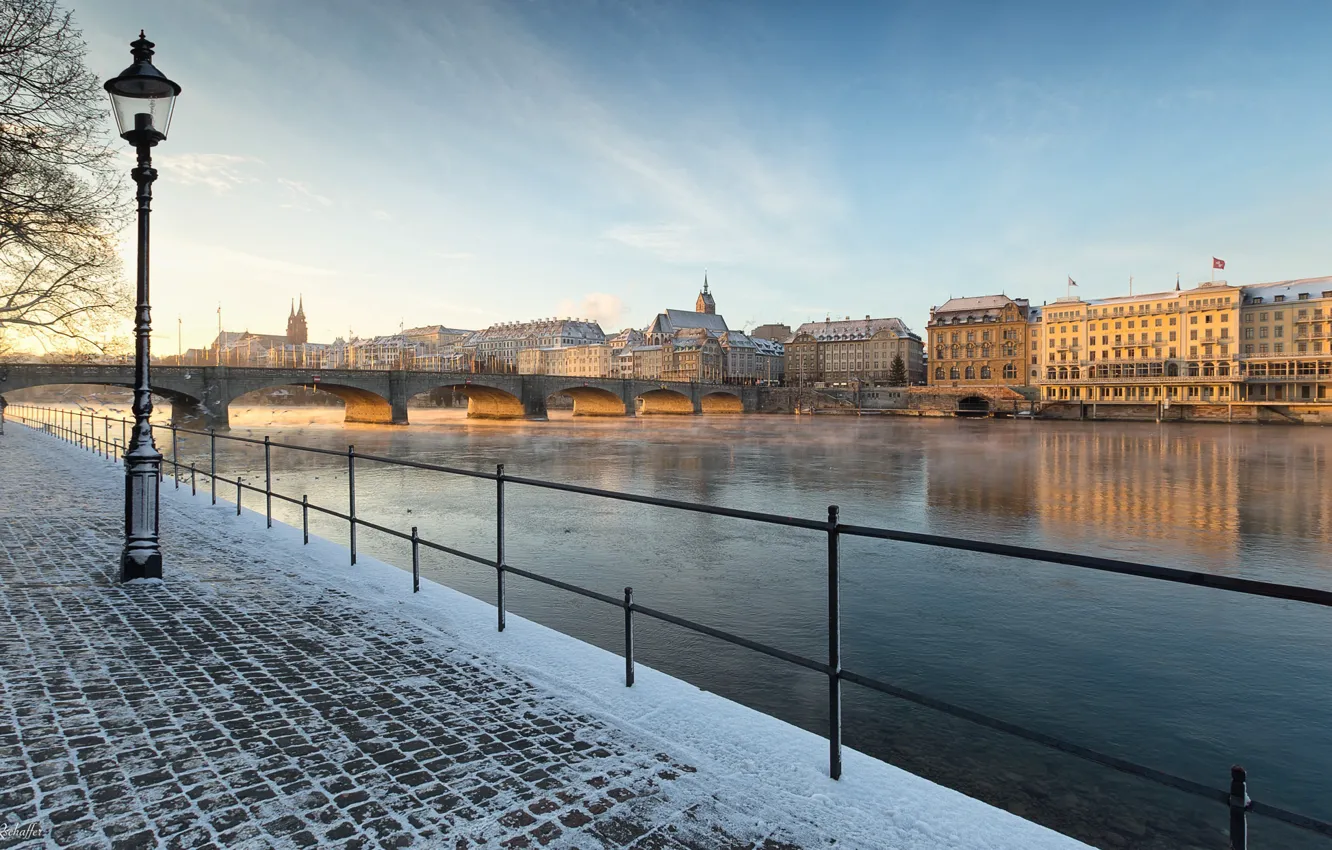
(201, 395)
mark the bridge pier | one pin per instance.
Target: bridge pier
(398, 396)
(533, 397)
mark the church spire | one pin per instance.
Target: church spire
(292, 314)
(301, 311)
(705, 302)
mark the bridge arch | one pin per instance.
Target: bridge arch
(664, 402)
(485, 402)
(594, 401)
(359, 405)
(721, 401)
(183, 407)
(973, 405)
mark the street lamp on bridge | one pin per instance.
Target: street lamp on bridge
(142, 99)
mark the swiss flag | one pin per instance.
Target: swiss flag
(1218, 264)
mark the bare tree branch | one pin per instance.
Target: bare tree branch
(61, 182)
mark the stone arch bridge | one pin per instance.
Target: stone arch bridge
(202, 394)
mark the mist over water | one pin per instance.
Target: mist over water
(1184, 679)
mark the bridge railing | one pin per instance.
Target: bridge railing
(96, 433)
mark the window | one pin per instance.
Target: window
(1193, 320)
(985, 373)
(1248, 349)
(1278, 315)
(1248, 317)
(954, 374)
(1279, 331)
(1193, 351)
(1010, 372)
(1304, 296)
(1193, 334)
(1172, 321)
(1172, 336)
(1278, 347)
(1279, 298)
(971, 373)
(938, 374)
(1262, 317)
(1207, 320)
(1262, 333)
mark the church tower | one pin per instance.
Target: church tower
(296, 330)
(705, 304)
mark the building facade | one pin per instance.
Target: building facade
(852, 352)
(980, 341)
(498, 345)
(1163, 347)
(1285, 339)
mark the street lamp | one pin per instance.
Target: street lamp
(142, 100)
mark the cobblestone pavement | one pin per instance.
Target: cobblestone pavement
(225, 709)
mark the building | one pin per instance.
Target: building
(852, 351)
(692, 355)
(1285, 339)
(980, 341)
(1162, 347)
(297, 332)
(771, 360)
(581, 361)
(776, 333)
(498, 345)
(739, 356)
(647, 362)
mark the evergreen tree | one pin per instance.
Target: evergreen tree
(897, 374)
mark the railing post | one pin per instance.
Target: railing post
(416, 561)
(192, 490)
(305, 518)
(124, 438)
(628, 637)
(238, 495)
(175, 456)
(834, 647)
(212, 462)
(499, 542)
(351, 498)
(1239, 805)
(268, 481)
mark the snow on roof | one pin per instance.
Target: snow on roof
(853, 329)
(975, 309)
(1312, 287)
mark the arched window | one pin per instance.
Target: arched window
(1074, 372)
(1010, 372)
(939, 352)
(985, 373)
(1172, 370)
(971, 350)
(1063, 373)
(938, 374)
(1050, 373)
(971, 373)
(985, 350)
(953, 374)
(957, 351)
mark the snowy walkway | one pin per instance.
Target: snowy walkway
(270, 695)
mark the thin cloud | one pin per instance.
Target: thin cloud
(300, 196)
(220, 172)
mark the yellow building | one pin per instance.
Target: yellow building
(1163, 347)
(981, 341)
(1285, 337)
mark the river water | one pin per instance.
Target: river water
(1185, 679)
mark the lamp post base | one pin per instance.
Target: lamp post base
(142, 555)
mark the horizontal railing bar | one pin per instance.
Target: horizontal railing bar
(329, 512)
(384, 529)
(1292, 818)
(799, 660)
(1038, 737)
(564, 585)
(1251, 587)
(433, 467)
(449, 550)
(756, 516)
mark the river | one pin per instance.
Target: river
(1185, 679)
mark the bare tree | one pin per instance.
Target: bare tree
(60, 182)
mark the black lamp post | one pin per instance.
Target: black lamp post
(142, 99)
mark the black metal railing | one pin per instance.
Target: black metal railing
(81, 428)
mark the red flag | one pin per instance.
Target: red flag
(1218, 264)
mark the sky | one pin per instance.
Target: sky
(459, 162)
